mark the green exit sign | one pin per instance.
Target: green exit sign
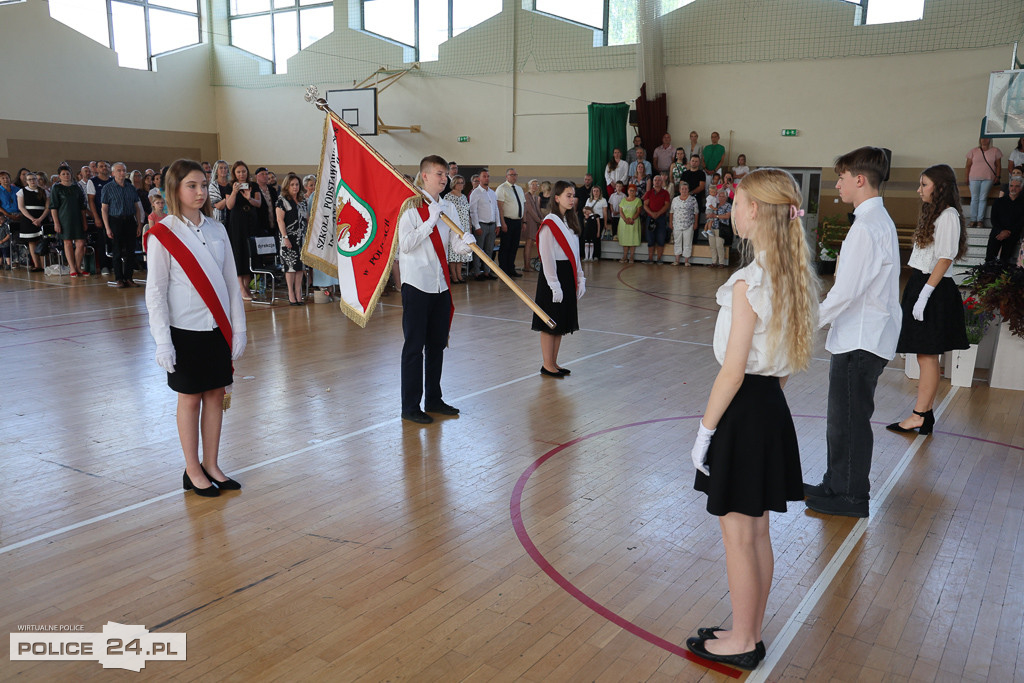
(789, 132)
(463, 138)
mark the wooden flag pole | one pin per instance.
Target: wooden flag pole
(322, 105)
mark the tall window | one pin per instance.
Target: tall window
(613, 21)
(278, 31)
(137, 30)
(887, 11)
(420, 26)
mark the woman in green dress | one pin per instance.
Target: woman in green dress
(629, 224)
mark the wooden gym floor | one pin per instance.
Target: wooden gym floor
(549, 533)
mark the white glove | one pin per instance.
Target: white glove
(435, 213)
(556, 295)
(581, 290)
(238, 342)
(165, 356)
(468, 239)
(699, 454)
(922, 301)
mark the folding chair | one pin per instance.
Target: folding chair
(266, 269)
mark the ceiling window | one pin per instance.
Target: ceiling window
(277, 29)
(887, 11)
(613, 21)
(137, 30)
(420, 26)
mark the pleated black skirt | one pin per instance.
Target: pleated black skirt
(754, 458)
(564, 313)
(202, 361)
(943, 328)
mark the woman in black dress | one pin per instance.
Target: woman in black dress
(291, 224)
(933, 310)
(561, 282)
(34, 205)
(243, 205)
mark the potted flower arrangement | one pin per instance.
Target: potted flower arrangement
(963, 362)
(998, 288)
(829, 236)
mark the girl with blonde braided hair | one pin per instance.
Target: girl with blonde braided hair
(746, 452)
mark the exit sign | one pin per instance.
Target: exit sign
(789, 132)
(463, 138)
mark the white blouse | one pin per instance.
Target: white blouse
(618, 175)
(760, 297)
(945, 245)
(550, 252)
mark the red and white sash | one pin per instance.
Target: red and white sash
(197, 261)
(442, 257)
(556, 232)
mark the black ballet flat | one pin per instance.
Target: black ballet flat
(547, 373)
(708, 633)
(564, 371)
(229, 485)
(924, 430)
(747, 661)
(208, 492)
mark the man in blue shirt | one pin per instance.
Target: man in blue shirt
(123, 219)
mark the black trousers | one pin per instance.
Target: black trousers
(1004, 250)
(425, 325)
(510, 245)
(123, 229)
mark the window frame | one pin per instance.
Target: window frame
(296, 8)
(410, 53)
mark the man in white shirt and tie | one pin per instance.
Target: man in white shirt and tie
(427, 307)
(863, 308)
(511, 204)
(483, 216)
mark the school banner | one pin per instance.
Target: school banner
(354, 222)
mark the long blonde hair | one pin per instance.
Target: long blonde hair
(781, 247)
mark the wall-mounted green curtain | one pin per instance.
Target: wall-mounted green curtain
(607, 131)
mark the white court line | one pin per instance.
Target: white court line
(803, 610)
(321, 444)
(71, 313)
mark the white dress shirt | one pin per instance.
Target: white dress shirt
(550, 252)
(946, 244)
(863, 305)
(759, 294)
(483, 207)
(420, 266)
(171, 298)
(506, 194)
(619, 175)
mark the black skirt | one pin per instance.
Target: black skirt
(943, 328)
(754, 458)
(563, 313)
(202, 363)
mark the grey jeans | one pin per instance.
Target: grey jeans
(852, 378)
(485, 241)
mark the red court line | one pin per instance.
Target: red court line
(658, 296)
(567, 585)
(515, 509)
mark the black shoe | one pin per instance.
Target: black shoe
(818, 490)
(514, 274)
(747, 661)
(229, 485)
(708, 633)
(564, 371)
(442, 408)
(491, 277)
(842, 506)
(480, 278)
(924, 430)
(547, 373)
(209, 492)
(417, 416)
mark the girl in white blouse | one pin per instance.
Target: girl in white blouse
(746, 451)
(190, 342)
(933, 310)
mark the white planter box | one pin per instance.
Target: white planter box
(961, 366)
(1008, 363)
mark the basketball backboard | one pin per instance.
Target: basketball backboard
(1004, 107)
(357, 107)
